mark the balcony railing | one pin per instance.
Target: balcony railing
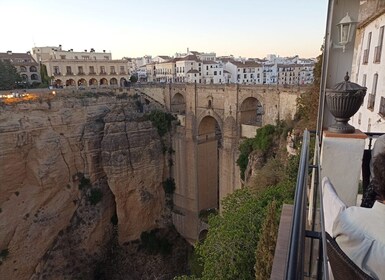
(122, 73)
(377, 54)
(382, 107)
(371, 99)
(69, 74)
(113, 73)
(366, 57)
(92, 73)
(295, 268)
(81, 73)
(57, 74)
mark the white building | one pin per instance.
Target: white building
(368, 70)
(212, 72)
(245, 72)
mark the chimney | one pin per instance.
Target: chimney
(9, 52)
(92, 50)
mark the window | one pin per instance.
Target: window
(68, 70)
(62, 57)
(215, 73)
(80, 70)
(102, 70)
(378, 49)
(112, 70)
(374, 88)
(366, 52)
(382, 107)
(92, 70)
(122, 70)
(364, 80)
(106, 58)
(56, 70)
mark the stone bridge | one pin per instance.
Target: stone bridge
(214, 119)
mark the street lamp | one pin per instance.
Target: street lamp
(345, 32)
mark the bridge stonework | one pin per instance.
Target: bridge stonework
(214, 119)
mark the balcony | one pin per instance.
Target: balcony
(92, 73)
(69, 74)
(371, 99)
(382, 107)
(366, 57)
(57, 74)
(377, 54)
(103, 73)
(113, 73)
(122, 73)
(303, 250)
(80, 73)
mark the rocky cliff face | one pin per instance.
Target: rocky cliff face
(45, 148)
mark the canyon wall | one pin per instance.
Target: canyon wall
(49, 211)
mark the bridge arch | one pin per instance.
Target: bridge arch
(208, 144)
(251, 111)
(178, 104)
(209, 113)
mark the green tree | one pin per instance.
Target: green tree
(134, 78)
(8, 75)
(266, 245)
(45, 79)
(226, 252)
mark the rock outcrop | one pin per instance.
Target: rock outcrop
(44, 150)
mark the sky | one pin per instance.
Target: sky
(133, 28)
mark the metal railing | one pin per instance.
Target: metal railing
(295, 268)
(295, 263)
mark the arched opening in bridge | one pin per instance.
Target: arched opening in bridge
(209, 143)
(178, 104)
(251, 112)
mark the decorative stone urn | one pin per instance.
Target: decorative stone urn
(343, 101)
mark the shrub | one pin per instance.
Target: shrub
(4, 254)
(169, 185)
(95, 196)
(161, 120)
(84, 182)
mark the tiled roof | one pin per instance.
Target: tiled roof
(246, 64)
(209, 62)
(18, 58)
(192, 71)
